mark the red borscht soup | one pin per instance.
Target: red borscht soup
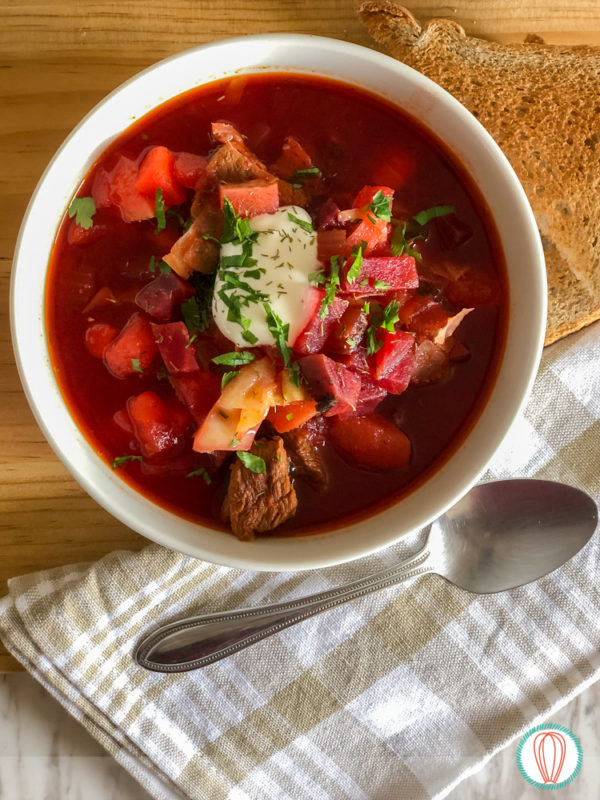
(276, 304)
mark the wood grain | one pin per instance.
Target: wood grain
(57, 59)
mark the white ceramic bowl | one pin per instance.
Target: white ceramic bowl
(391, 80)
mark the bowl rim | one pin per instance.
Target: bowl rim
(302, 552)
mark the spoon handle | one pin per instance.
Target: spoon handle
(198, 641)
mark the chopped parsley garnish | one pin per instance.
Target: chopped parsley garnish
(120, 460)
(83, 209)
(423, 217)
(294, 369)
(390, 316)
(159, 212)
(152, 264)
(279, 332)
(306, 226)
(289, 417)
(317, 277)
(373, 343)
(192, 316)
(401, 246)
(301, 176)
(228, 376)
(235, 359)
(253, 463)
(331, 285)
(354, 271)
(196, 311)
(381, 206)
(135, 364)
(381, 285)
(200, 473)
(235, 228)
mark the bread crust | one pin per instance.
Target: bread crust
(541, 103)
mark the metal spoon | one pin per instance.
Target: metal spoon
(500, 535)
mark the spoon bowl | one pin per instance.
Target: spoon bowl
(500, 535)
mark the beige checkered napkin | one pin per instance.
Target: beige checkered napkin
(398, 695)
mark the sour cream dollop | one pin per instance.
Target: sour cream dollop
(285, 255)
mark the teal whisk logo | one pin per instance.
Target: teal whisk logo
(549, 756)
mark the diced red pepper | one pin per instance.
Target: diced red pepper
(395, 361)
(97, 338)
(330, 243)
(251, 198)
(133, 350)
(157, 425)
(117, 188)
(157, 171)
(198, 391)
(175, 348)
(349, 331)
(371, 441)
(334, 387)
(317, 330)
(162, 296)
(286, 418)
(189, 169)
(382, 274)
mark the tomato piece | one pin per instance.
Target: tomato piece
(286, 418)
(189, 169)
(157, 171)
(367, 193)
(395, 361)
(97, 338)
(252, 197)
(475, 288)
(382, 274)
(117, 188)
(133, 350)
(174, 345)
(372, 230)
(371, 441)
(156, 426)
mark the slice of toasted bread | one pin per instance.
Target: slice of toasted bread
(541, 103)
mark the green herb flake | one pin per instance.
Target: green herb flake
(355, 270)
(306, 226)
(227, 377)
(120, 460)
(390, 316)
(317, 277)
(295, 373)
(159, 212)
(331, 285)
(152, 264)
(83, 209)
(164, 268)
(402, 246)
(235, 359)
(200, 473)
(289, 417)
(279, 332)
(381, 206)
(253, 463)
(234, 442)
(135, 365)
(423, 217)
(382, 285)
(301, 176)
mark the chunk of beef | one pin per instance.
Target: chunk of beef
(234, 163)
(305, 457)
(225, 132)
(258, 502)
(192, 252)
(290, 195)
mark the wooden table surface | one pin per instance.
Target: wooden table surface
(57, 60)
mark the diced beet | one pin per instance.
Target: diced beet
(117, 188)
(349, 331)
(327, 216)
(334, 387)
(395, 361)
(357, 362)
(157, 424)
(252, 197)
(198, 391)
(163, 295)
(133, 350)
(371, 394)
(330, 243)
(382, 274)
(97, 338)
(316, 332)
(173, 342)
(189, 169)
